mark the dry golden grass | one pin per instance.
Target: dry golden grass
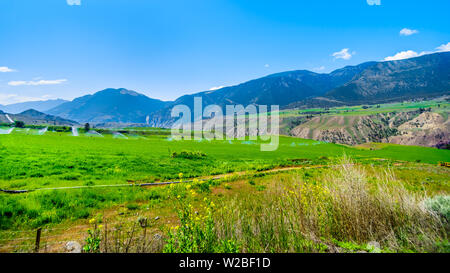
(344, 205)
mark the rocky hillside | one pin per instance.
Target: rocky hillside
(33, 117)
(420, 127)
(428, 129)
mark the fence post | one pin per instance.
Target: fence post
(38, 240)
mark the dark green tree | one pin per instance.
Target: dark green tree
(19, 124)
(87, 127)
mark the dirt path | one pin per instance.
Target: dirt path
(203, 178)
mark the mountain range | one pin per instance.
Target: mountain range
(428, 75)
(41, 106)
(367, 83)
(109, 105)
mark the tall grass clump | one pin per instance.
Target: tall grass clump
(343, 210)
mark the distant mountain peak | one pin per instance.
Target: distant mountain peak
(31, 112)
(110, 105)
(32, 116)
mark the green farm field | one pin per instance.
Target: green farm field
(438, 106)
(56, 160)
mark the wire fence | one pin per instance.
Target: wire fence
(40, 240)
(43, 240)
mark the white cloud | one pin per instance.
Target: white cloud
(411, 54)
(321, 68)
(343, 54)
(403, 55)
(34, 83)
(74, 2)
(267, 65)
(5, 69)
(443, 48)
(374, 2)
(408, 32)
(216, 88)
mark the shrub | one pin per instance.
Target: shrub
(71, 176)
(132, 206)
(19, 124)
(260, 188)
(60, 129)
(93, 240)
(440, 205)
(197, 233)
(189, 155)
(153, 195)
(203, 186)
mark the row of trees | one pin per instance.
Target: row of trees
(21, 124)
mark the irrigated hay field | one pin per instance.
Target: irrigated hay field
(31, 161)
(438, 106)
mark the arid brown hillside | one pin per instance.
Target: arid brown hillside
(418, 127)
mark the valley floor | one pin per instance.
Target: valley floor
(305, 197)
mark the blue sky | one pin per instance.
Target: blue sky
(164, 49)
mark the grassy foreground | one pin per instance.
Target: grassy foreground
(339, 210)
(334, 207)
